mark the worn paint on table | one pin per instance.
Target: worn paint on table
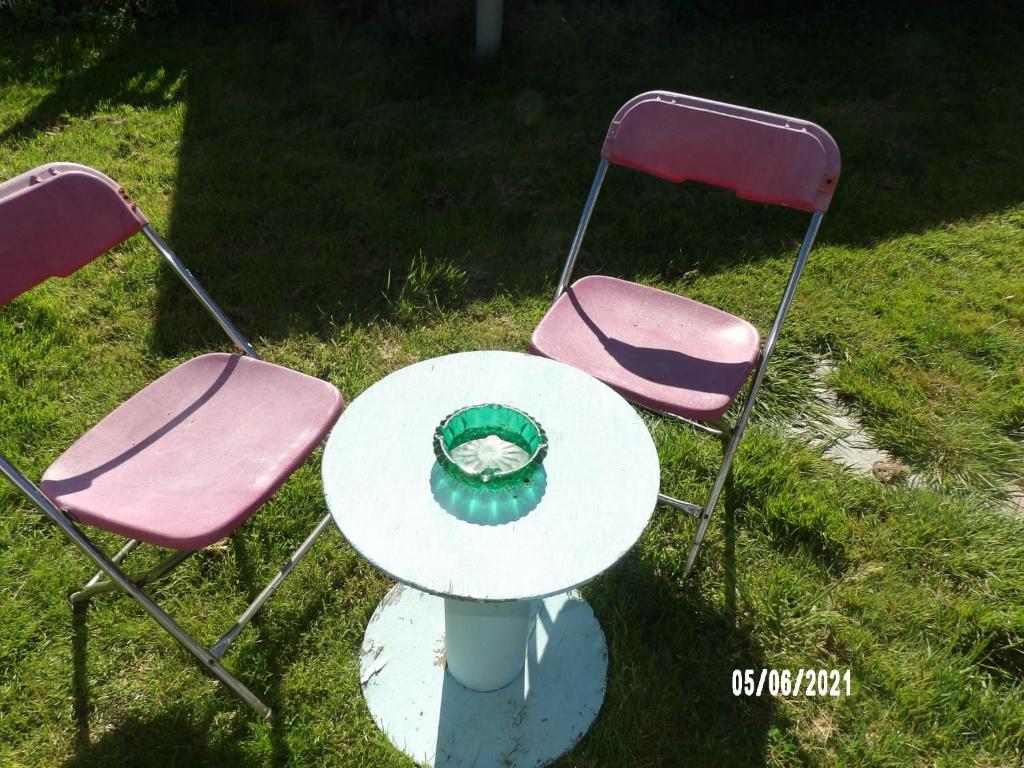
(425, 713)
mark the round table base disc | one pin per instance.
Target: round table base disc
(430, 717)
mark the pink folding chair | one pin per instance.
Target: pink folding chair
(184, 462)
(668, 353)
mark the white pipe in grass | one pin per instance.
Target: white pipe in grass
(488, 27)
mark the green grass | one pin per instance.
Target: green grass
(358, 200)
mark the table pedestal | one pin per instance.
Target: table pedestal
(410, 678)
(485, 643)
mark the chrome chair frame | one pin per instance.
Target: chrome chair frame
(116, 579)
(729, 433)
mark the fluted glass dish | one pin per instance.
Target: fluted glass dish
(490, 445)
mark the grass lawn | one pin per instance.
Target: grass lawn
(358, 199)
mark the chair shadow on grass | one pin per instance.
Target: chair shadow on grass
(175, 735)
(272, 650)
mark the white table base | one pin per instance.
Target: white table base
(426, 713)
(485, 643)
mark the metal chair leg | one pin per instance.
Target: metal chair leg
(125, 551)
(203, 656)
(716, 489)
(158, 571)
(694, 510)
(115, 574)
(755, 386)
(209, 658)
(221, 646)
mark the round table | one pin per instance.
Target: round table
(483, 653)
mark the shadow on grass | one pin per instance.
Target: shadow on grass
(80, 675)
(321, 158)
(175, 735)
(173, 738)
(672, 655)
(673, 650)
(127, 74)
(274, 650)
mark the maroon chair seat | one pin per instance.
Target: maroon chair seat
(658, 349)
(189, 458)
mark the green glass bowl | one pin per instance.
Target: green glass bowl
(490, 445)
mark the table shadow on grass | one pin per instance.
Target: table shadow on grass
(672, 654)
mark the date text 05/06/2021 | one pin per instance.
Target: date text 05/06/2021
(787, 682)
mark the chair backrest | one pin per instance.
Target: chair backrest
(758, 155)
(57, 218)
